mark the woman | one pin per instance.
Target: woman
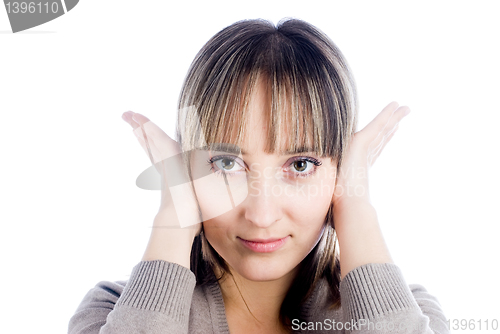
(277, 173)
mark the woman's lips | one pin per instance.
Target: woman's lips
(264, 245)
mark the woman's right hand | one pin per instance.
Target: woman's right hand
(168, 241)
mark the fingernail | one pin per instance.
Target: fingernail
(407, 111)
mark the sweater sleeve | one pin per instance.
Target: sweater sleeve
(156, 299)
(376, 299)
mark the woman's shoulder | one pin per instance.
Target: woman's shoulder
(373, 283)
(144, 274)
(156, 292)
(377, 291)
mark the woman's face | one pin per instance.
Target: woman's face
(278, 213)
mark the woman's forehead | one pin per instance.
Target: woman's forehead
(254, 144)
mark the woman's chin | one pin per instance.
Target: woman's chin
(261, 271)
(261, 276)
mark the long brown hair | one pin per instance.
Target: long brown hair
(314, 99)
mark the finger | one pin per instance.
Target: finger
(127, 117)
(140, 119)
(144, 139)
(380, 148)
(383, 117)
(154, 133)
(396, 117)
(387, 138)
(136, 120)
(372, 134)
(382, 133)
(393, 123)
(157, 144)
(392, 112)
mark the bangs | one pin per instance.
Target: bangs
(289, 117)
(311, 93)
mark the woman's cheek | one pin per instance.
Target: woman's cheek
(318, 183)
(216, 197)
(215, 232)
(310, 197)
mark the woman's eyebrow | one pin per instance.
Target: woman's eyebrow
(230, 148)
(300, 149)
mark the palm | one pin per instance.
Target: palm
(163, 151)
(364, 148)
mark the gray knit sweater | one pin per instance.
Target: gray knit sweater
(162, 297)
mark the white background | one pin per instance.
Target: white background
(72, 216)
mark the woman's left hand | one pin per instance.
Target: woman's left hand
(355, 219)
(364, 148)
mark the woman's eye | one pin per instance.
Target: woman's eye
(225, 164)
(303, 167)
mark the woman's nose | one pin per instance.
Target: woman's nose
(263, 204)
